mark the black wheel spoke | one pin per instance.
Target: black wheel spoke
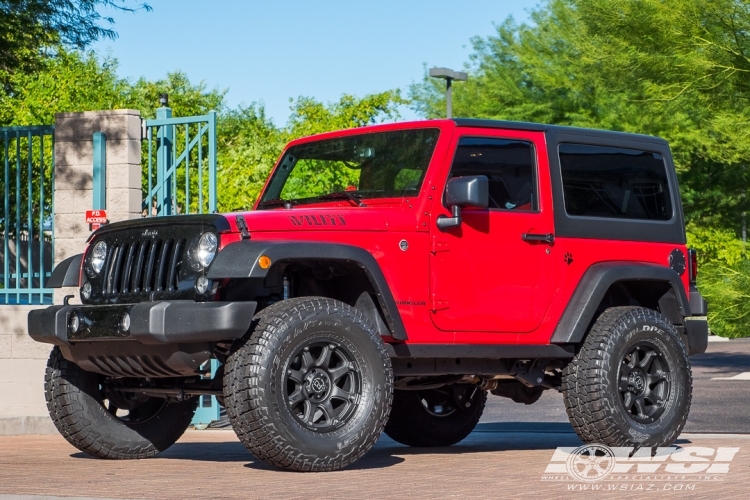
(645, 362)
(296, 376)
(309, 412)
(623, 385)
(655, 378)
(325, 357)
(296, 397)
(307, 360)
(338, 372)
(328, 411)
(640, 406)
(338, 393)
(628, 401)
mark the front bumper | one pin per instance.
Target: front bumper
(155, 323)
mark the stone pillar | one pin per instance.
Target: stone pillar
(74, 157)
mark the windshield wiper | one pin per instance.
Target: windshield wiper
(277, 202)
(343, 195)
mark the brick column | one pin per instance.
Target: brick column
(74, 158)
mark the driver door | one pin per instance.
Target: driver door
(488, 275)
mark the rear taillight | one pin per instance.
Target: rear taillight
(693, 265)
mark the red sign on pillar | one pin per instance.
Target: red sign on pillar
(95, 218)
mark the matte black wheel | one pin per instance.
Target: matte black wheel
(310, 387)
(630, 384)
(106, 423)
(435, 417)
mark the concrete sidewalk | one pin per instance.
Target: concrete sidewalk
(491, 463)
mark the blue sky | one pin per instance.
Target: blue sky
(270, 51)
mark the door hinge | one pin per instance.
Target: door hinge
(438, 305)
(438, 246)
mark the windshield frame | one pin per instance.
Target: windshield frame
(274, 202)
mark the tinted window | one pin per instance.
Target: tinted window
(615, 183)
(509, 166)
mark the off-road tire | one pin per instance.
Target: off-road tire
(412, 424)
(256, 385)
(592, 390)
(74, 401)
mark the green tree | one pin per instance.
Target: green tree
(672, 68)
(250, 144)
(29, 28)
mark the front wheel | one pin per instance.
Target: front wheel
(630, 384)
(106, 423)
(435, 417)
(309, 389)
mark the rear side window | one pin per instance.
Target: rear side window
(614, 183)
(509, 166)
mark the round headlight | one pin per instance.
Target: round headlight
(98, 257)
(206, 250)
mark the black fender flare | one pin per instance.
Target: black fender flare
(594, 284)
(240, 260)
(66, 273)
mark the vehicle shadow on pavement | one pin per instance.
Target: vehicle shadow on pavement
(487, 437)
(726, 360)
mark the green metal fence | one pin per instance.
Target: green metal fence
(181, 160)
(27, 223)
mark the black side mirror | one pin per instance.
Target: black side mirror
(472, 191)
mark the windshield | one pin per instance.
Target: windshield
(374, 165)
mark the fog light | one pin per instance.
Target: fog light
(86, 290)
(125, 322)
(74, 322)
(201, 286)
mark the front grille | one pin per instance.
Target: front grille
(145, 263)
(151, 265)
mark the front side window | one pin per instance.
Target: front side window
(374, 165)
(614, 183)
(508, 165)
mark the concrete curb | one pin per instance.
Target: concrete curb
(18, 426)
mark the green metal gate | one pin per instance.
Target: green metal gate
(181, 179)
(181, 158)
(26, 155)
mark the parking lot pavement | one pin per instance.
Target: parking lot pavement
(514, 453)
(213, 464)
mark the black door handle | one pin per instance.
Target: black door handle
(544, 238)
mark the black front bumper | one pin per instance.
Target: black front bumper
(159, 323)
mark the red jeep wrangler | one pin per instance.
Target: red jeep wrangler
(388, 278)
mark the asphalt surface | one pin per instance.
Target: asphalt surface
(718, 406)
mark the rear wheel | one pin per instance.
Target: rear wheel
(435, 417)
(106, 423)
(630, 384)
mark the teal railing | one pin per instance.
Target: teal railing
(27, 222)
(181, 158)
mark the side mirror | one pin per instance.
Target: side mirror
(464, 192)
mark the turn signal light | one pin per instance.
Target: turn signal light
(693, 265)
(264, 261)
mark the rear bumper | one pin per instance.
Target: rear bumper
(696, 328)
(161, 322)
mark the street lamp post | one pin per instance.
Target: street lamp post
(448, 75)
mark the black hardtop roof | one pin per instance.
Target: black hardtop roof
(557, 129)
